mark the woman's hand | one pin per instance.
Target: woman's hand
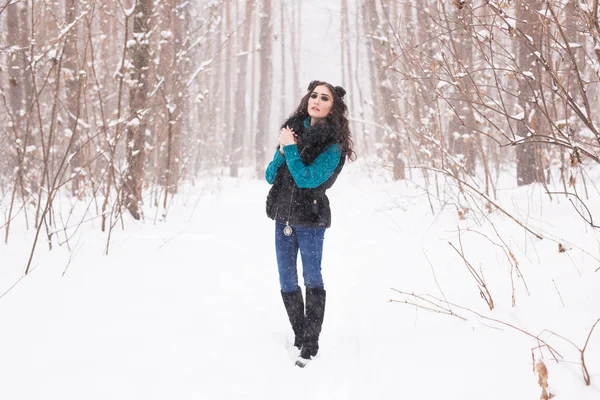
(286, 137)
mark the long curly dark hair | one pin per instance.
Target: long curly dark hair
(337, 117)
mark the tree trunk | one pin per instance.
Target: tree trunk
(14, 70)
(371, 62)
(72, 90)
(180, 95)
(16, 75)
(343, 41)
(170, 70)
(227, 130)
(216, 95)
(266, 78)
(295, 45)
(252, 106)
(283, 54)
(384, 91)
(347, 79)
(571, 67)
(461, 140)
(237, 138)
(528, 154)
(138, 99)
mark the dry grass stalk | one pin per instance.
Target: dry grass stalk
(586, 375)
(481, 285)
(542, 371)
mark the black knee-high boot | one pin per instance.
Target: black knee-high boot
(294, 305)
(315, 312)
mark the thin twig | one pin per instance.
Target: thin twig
(478, 278)
(553, 351)
(435, 277)
(557, 291)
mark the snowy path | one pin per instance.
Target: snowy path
(190, 309)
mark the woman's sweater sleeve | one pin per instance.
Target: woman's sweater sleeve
(274, 165)
(315, 174)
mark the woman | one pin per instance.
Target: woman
(313, 146)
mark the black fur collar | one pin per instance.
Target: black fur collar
(314, 140)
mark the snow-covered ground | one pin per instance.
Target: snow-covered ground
(189, 308)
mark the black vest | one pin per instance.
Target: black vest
(286, 202)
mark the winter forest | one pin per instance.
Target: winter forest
(476, 128)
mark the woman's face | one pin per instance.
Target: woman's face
(320, 103)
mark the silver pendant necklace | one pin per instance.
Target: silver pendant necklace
(287, 229)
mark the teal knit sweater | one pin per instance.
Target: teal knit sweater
(305, 176)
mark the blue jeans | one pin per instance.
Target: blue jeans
(310, 243)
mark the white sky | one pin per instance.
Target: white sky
(320, 42)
